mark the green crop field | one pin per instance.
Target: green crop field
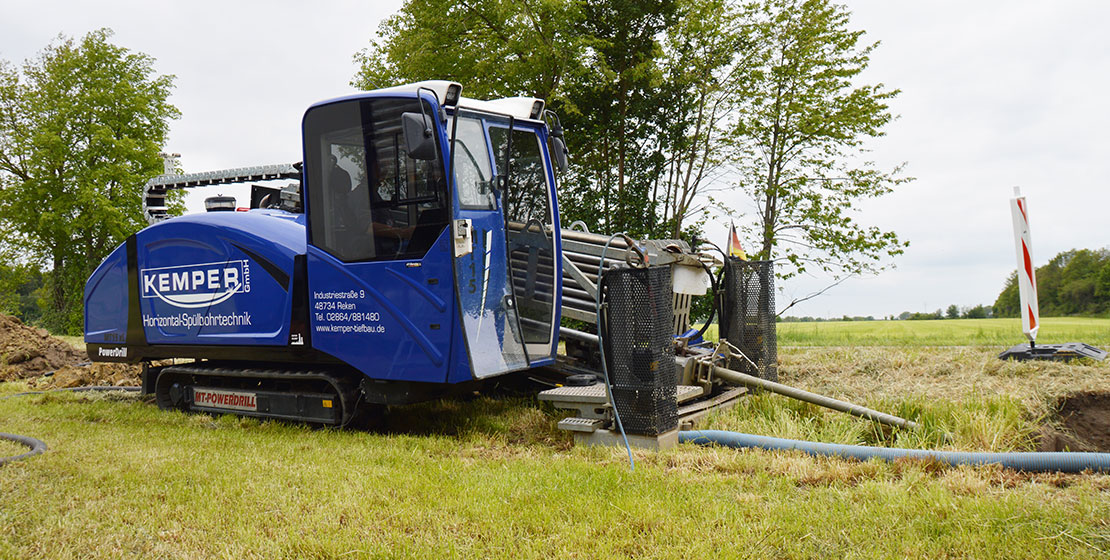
(492, 477)
(948, 332)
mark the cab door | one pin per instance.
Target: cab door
(487, 305)
(379, 259)
(529, 209)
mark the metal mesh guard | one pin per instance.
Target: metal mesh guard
(749, 321)
(640, 348)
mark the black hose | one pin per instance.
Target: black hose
(718, 308)
(1028, 461)
(73, 390)
(36, 445)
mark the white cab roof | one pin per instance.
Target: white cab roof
(518, 107)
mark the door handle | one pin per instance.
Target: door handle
(462, 233)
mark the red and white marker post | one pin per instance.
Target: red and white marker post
(1027, 277)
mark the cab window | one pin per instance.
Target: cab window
(367, 199)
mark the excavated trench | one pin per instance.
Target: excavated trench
(1082, 423)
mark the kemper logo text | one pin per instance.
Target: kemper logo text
(196, 285)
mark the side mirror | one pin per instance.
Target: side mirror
(419, 140)
(560, 149)
(558, 146)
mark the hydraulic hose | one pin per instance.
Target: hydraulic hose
(601, 341)
(94, 388)
(1023, 461)
(36, 445)
(716, 301)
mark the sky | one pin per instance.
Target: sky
(994, 94)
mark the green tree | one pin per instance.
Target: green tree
(705, 56)
(953, 312)
(80, 130)
(666, 100)
(978, 312)
(801, 128)
(1008, 302)
(1102, 283)
(1079, 283)
(612, 110)
(493, 48)
(20, 286)
(637, 84)
(1074, 282)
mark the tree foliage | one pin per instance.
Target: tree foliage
(20, 289)
(668, 102)
(705, 59)
(639, 87)
(1075, 282)
(801, 128)
(80, 130)
(493, 48)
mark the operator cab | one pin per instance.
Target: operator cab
(370, 200)
(438, 213)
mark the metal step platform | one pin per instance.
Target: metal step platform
(594, 413)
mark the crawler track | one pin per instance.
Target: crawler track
(314, 396)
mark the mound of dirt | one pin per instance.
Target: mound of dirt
(99, 373)
(26, 351)
(1085, 419)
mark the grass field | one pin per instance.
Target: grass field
(1003, 333)
(493, 477)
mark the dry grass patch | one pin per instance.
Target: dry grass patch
(965, 399)
(951, 373)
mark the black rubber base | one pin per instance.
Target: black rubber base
(1054, 352)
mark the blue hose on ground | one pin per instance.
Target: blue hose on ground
(1029, 461)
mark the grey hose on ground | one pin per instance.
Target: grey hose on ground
(1065, 462)
(36, 445)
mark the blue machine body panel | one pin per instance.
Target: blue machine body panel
(391, 319)
(219, 278)
(106, 300)
(229, 280)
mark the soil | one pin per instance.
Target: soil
(1084, 424)
(31, 353)
(99, 373)
(26, 351)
